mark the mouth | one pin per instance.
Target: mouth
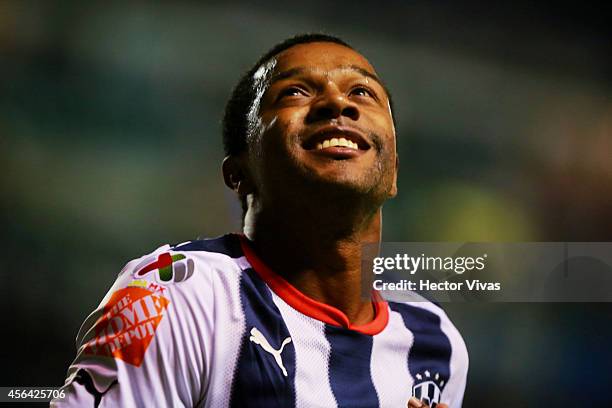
(337, 140)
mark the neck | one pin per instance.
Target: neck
(318, 251)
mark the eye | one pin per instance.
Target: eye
(361, 91)
(291, 91)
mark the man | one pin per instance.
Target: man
(275, 317)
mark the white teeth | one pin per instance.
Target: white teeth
(342, 142)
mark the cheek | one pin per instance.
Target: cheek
(391, 141)
(275, 150)
(281, 134)
(381, 123)
(386, 123)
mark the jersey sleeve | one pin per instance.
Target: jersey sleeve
(148, 342)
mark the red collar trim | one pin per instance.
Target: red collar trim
(310, 307)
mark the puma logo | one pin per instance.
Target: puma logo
(258, 338)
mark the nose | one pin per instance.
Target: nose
(333, 105)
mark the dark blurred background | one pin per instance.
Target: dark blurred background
(110, 146)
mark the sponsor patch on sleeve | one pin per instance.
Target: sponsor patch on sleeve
(127, 324)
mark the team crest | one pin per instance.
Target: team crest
(428, 388)
(167, 268)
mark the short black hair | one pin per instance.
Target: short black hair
(235, 118)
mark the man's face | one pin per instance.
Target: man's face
(322, 120)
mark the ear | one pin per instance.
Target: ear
(393, 191)
(236, 174)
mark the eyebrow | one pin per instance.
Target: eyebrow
(300, 70)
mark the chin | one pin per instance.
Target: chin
(338, 178)
(341, 184)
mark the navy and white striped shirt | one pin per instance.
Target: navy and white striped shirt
(206, 323)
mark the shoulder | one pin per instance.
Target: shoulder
(170, 265)
(158, 314)
(225, 246)
(169, 279)
(431, 319)
(161, 295)
(420, 312)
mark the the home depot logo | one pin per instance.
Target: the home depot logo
(128, 324)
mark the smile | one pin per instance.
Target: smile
(338, 137)
(333, 142)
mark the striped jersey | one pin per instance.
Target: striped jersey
(207, 324)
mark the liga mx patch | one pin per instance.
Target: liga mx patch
(168, 268)
(127, 325)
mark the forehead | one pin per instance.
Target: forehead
(320, 56)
